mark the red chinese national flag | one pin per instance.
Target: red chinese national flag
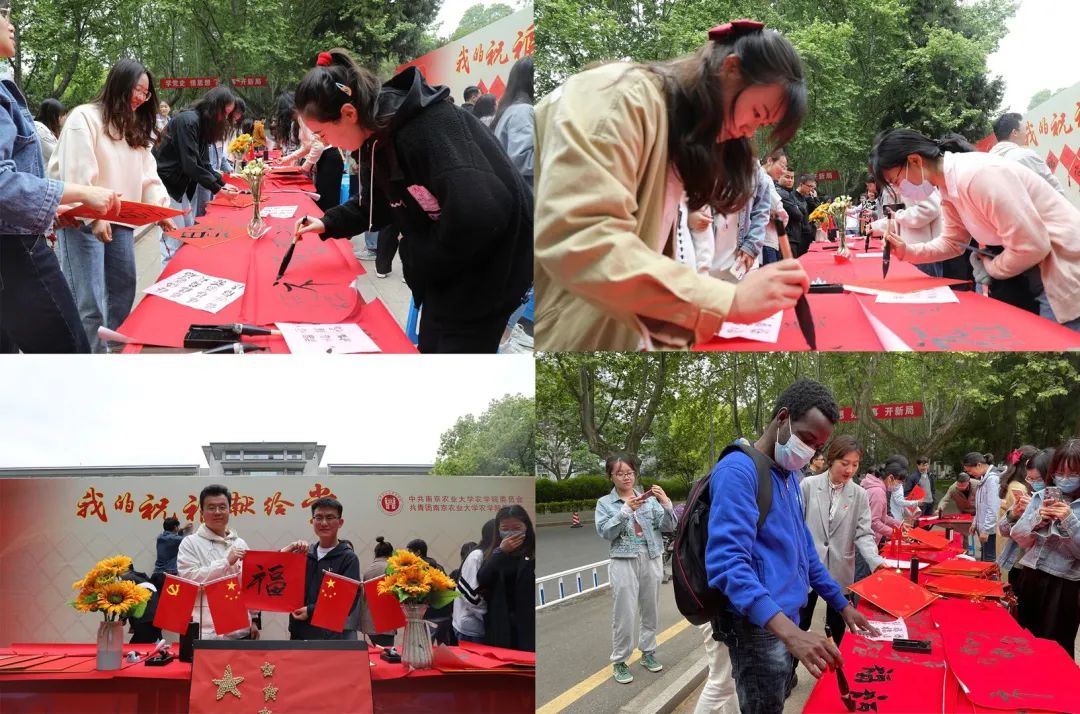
(226, 605)
(385, 610)
(273, 581)
(175, 602)
(337, 594)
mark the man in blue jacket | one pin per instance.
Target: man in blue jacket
(767, 573)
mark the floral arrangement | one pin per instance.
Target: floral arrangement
(254, 172)
(820, 214)
(258, 135)
(239, 146)
(838, 209)
(411, 580)
(103, 591)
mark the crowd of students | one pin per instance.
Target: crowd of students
(454, 195)
(822, 532)
(494, 581)
(653, 210)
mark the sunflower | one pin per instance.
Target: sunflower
(116, 565)
(404, 559)
(440, 580)
(387, 584)
(118, 597)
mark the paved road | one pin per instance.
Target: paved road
(562, 547)
(575, 642)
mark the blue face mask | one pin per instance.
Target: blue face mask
(1037, 486)
(506, 534)
(916, 191)
(1067, 484)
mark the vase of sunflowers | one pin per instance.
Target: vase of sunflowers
(238, 148)
(102, 590)
(417, 586)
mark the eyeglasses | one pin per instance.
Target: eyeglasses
(216, 509)
(5, 12)
(624, 474)
(324, 519)
(140, 92)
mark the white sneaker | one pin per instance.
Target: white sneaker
(381, 275)
(366, 255)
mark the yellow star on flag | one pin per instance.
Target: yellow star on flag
(231, 585)
(270, 693)
(227, 684)
(267, 669)
(264, 710)
(330, 583)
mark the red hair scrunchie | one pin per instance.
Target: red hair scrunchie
(324, 60)
(730, 29)
(1014, 457)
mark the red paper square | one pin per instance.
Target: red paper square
(274, 581)
(895, 594)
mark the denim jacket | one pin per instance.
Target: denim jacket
(28, 201)
(613, 523)
(1053, 549)
(754, 215)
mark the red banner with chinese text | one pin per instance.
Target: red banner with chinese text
(903, 410)
(187, 82)
(273, 581)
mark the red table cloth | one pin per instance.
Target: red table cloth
(843, 321)
(164, 690)
(316, 287)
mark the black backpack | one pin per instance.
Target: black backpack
(698, 602)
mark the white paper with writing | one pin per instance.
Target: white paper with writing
(890, 630)
(933, 296)
(326, 339)
(278, 212)
(197, 290)
(767, 330)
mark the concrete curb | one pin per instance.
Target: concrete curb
(664, 698)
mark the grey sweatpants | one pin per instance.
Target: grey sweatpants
(635, 585)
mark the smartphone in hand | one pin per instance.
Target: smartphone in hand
(1051, 494)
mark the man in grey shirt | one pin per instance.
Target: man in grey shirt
(1012, 145)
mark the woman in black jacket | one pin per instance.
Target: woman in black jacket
(436, 173)
(506, 578)
(183, 157)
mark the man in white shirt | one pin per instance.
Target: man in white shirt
(1012, 145)
(211, 553)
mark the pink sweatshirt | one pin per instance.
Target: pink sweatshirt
(880, 521)
(1002, 203)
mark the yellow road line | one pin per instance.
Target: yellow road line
(593, 681)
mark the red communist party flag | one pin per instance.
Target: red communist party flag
(386, 613)
(336, 597)
(175, 603)
(226, 605)
(273, 581)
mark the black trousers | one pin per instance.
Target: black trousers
(328, 173)
(37, 310)
(476, 337)
(386, 250)
(1049, 606)
(832, 618)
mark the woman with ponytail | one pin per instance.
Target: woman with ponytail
(438, 175)
(1032, 229)
(616, 146)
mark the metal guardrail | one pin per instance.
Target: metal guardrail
(582, 585)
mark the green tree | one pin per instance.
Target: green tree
(1041, 96)
(479, 16)
(498, 442)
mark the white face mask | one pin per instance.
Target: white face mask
(794, 454)
(916, 191)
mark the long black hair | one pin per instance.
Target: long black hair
(214, 123)
(519, 88)
(49, 114)
(528, 548)
(284, 128)
(325, 89)
(892, 148)
(724, 174)
(136, 128)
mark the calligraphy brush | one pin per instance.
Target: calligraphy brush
(802, 307)
(288, 255)
(238, 348)
(841, 681)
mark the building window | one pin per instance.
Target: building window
(233, 455)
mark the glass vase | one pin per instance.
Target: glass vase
(257, 226)
(110, 645)
(416, 647)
